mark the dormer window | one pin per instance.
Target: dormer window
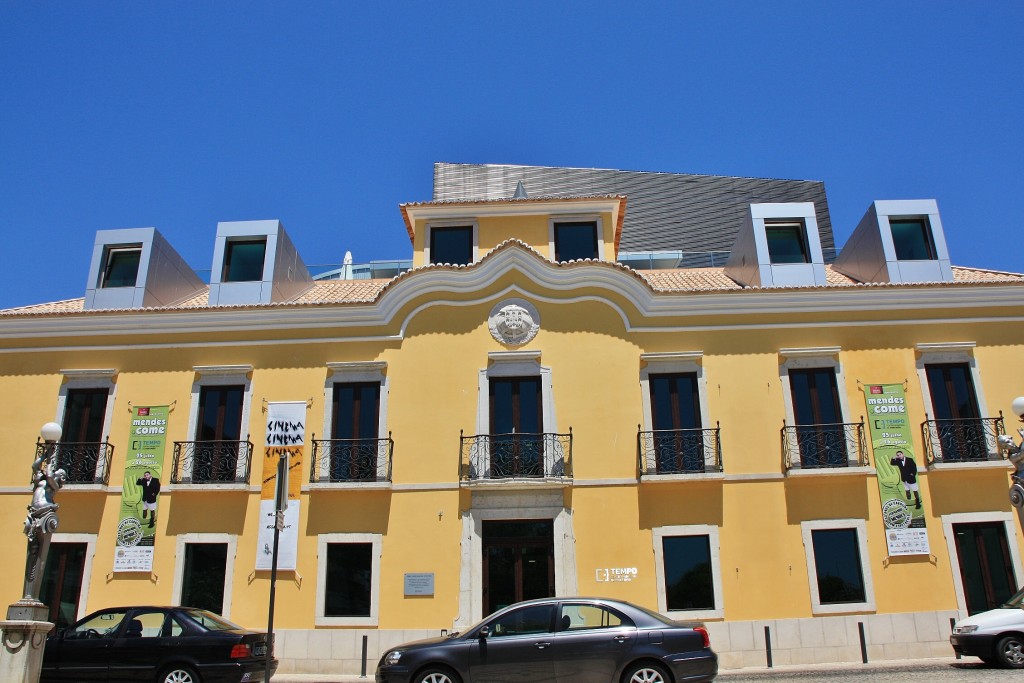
(575, 241)
(912, 238)
(452, 245)
(121, 268)
(243, 260)
(787, 242)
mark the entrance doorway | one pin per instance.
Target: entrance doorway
(204, 572)
(986, 569)
(61, 588)
(519, 561)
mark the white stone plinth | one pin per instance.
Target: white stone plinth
(21, 656)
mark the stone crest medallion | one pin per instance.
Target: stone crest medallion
(514, 322)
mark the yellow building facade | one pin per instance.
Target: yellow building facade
(524, 414)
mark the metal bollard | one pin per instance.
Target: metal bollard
(952, 623)
(362, 672)
(863, 643)
(768, 645)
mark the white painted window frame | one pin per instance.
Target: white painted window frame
(220, 375)
(516, 364)
(950, 352)
(577, 218)
(453, 223)
(1009, 521)
(350, 372)
(807, 359)
(99, 378)
(861, 529)
(323, 540)
(668, 364)
(183, 540)
(658, 535)
(90, 555)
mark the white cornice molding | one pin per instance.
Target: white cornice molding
(940, 347)
(87, 373)
(614, 285)
(471, 210)
(675, 357)
(358, 366)
(222, 369)
(513, 356)
(811, 352)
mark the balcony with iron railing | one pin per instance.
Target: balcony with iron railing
(824, 448)
(518, 458)
(675, 453)
(963, 442)
(351, 461)
(211, 462)
(83, 462)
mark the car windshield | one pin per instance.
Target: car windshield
(1015, 601)
(211, 621)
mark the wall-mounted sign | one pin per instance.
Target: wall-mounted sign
(136, 526)
(419, 584)
(615, 574)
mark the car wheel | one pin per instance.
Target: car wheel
(1010, 651)
(646, 672)
(179, 674)
(437, 675)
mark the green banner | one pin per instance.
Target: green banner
(896, 466)
(140, 495)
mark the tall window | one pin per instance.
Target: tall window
(348, 591)
(912, 239)
(453, 245)
(122, 267)
(787, 242)
(688, 577)
(84, 417)
(355, 418)
(957, 415)
(517, 442)
(675, 413)
(838, 566)
(576, 240)
(819, 417)
(203, 576)
(837, 563)
(243, 260)
(63, 575)
(219, 429)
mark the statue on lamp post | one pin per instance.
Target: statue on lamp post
(41, 521)
(1015, 453)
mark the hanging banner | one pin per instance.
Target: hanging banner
(140, 494)
(896, 466)
(286, 437)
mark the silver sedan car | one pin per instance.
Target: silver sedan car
(584, 640)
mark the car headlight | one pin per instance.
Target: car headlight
(965, 629)
(392, 657)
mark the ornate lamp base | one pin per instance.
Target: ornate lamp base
(23, 639)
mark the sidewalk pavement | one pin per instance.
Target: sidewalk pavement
(884, 665)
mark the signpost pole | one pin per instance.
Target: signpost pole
(280, 505)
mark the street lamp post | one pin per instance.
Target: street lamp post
(1015, 453)
(24, 631)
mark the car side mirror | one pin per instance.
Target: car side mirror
(484, 632)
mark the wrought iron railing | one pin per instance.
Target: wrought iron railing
(83, 462)
(351, 460)
(679, 451)
(962, 440)
(211, 462)
(515, 456)
(823, 446)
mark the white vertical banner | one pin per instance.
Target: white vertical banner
(286, 437)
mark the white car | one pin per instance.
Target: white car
(995, 636)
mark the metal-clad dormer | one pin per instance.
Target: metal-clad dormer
(137, 268)
(255, 262)
(898, 240)
(778, 246)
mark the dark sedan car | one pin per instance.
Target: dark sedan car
(163, 644)
(571, 640)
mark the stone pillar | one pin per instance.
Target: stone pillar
(23, 637)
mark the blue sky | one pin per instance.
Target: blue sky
(327, 115)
